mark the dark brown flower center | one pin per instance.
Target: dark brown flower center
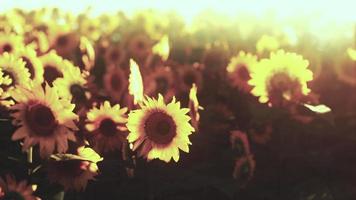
(282, 84)
(62, 40)
(140, 44)
(40, 119)
(29, 66)
(160, 128)
(243, 73)
(162, 85)
(78, 93)
(114, 55)
(189, 78)
(51, 74)
(108, 127)
(116, 81)
(68, 168)
(7, 48)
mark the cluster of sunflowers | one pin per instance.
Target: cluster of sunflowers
(78, 88)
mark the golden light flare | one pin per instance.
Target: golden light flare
(194, 107)
(162, 48)
(135, 82)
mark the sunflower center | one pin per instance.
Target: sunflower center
(162, 84)
(7, 48)
(108, 127)
(243, 73)
(160, 128)
(51, 74)
(12, 195)
(77, 92)
(282, 85)
(62, 40)
(114, 55)
(29, 66)
(189, 78)
(115, 82)
(69, 168)
(40, 119)
(140, 44)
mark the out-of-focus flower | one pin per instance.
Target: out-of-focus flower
(280, 79)
(32, 63)
(215, 58)
(53, 66)
(239, 70)
(14, 74)
(73, 84)
(115, 55)
(160, 81)
(43, 118)
(106, 125)
(239, 143)
(267, 44)
(194, 107)
(10, 43)
(38, 40)
(139, 46)
(10, 189)
(63, 40)
(115, 82)
(244, 169)
(73, 171)
(189, 75)
(159, 129)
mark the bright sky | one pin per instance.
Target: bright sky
(323, 15)
(341, 10)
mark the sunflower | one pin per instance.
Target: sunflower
(115, 82)
(160, 81)
(10, 189)
(114, 55)
(162, 129)
(32, 63)
(73, 84)
(10, 42)
(38, 40)
(63, 40)
(189, 75)
(53, 66)
(139, 46)
(87, 53)
(239, 143)
(13, 74)
(244, 169)
(107, 126)
(280, 79)
(43, 118)
(73, 171)
(239, 70)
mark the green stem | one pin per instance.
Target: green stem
(30, 159)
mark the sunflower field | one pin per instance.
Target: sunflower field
(149, 107)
